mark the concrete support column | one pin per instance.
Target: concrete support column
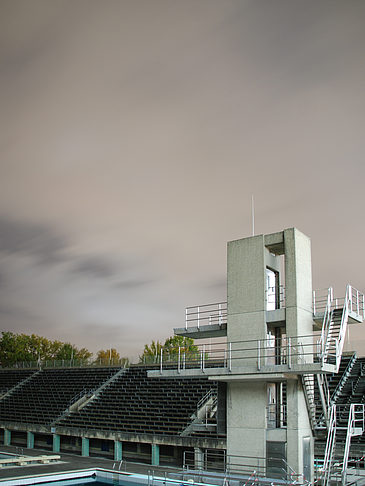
(118, 450)
(85, 447)
(56, 443)
(155, 455)
(7, 437)
(198, 458)
(30, 440)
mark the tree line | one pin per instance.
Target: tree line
(18, 348)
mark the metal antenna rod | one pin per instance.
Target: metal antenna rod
(253, 215)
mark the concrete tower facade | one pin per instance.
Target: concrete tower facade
(278, 341)
(257, 268)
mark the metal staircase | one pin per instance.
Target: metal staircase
(355, 427)
(308, 387)
(352, 421)
(205, 413)
(336, 315)
(344, 379)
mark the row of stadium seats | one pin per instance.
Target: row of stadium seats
(136, 403)
(47, 394)
(130, 402)
(10, 378)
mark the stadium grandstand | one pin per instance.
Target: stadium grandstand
(108, 411)
(113, 412)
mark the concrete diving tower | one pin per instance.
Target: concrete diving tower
(273, 340)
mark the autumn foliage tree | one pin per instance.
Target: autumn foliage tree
(15, 348)
(111, 356)
(170, 349)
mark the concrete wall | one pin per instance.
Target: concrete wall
(247, 259)
(246, 420)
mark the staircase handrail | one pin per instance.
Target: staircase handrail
(210, 394)
(347, 444)
(324, 394)
(357, 302)
(352, 426)
(330, 444)
(326, 324)
(343, 326)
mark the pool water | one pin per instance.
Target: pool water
(7, 456)
(92, 481)
(81, 482)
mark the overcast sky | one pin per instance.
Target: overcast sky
(133, 134)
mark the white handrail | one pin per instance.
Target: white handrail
(207, 314)
(355, 426)
(330, 445)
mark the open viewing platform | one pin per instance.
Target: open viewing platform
(253, 359)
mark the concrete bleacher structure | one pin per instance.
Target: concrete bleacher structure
(104, 410)
(114, 408)
(10, 378)
(48, 393)
(137, 404)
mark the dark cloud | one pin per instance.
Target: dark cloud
(49, 247)
(134, 283)
(37, 240)
(95, 266)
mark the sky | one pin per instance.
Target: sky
(132, 136)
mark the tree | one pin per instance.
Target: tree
(151, 352)
(110, 354)
(186, 345)
(15, 348)
(170, 350)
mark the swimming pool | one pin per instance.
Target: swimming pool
(81, 482)
(96, 477)
(7, 456)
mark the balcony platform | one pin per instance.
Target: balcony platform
(354, 318)
(202, 332)
(265, 373)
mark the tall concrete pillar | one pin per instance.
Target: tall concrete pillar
(198, 458)
(118, 450)
(155, 449)
(254, 265)
(56, 443)
(30, 440)
(7, 437)
(85, 447)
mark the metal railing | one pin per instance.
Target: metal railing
(256, 354)
(207, 314)
(349, 418)
(330, 447)
(355, 426)
(249, 468)
(276, 416)
(69, 363)
(210, 395)
(356, 301)
(320, 300)
(333, 339)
